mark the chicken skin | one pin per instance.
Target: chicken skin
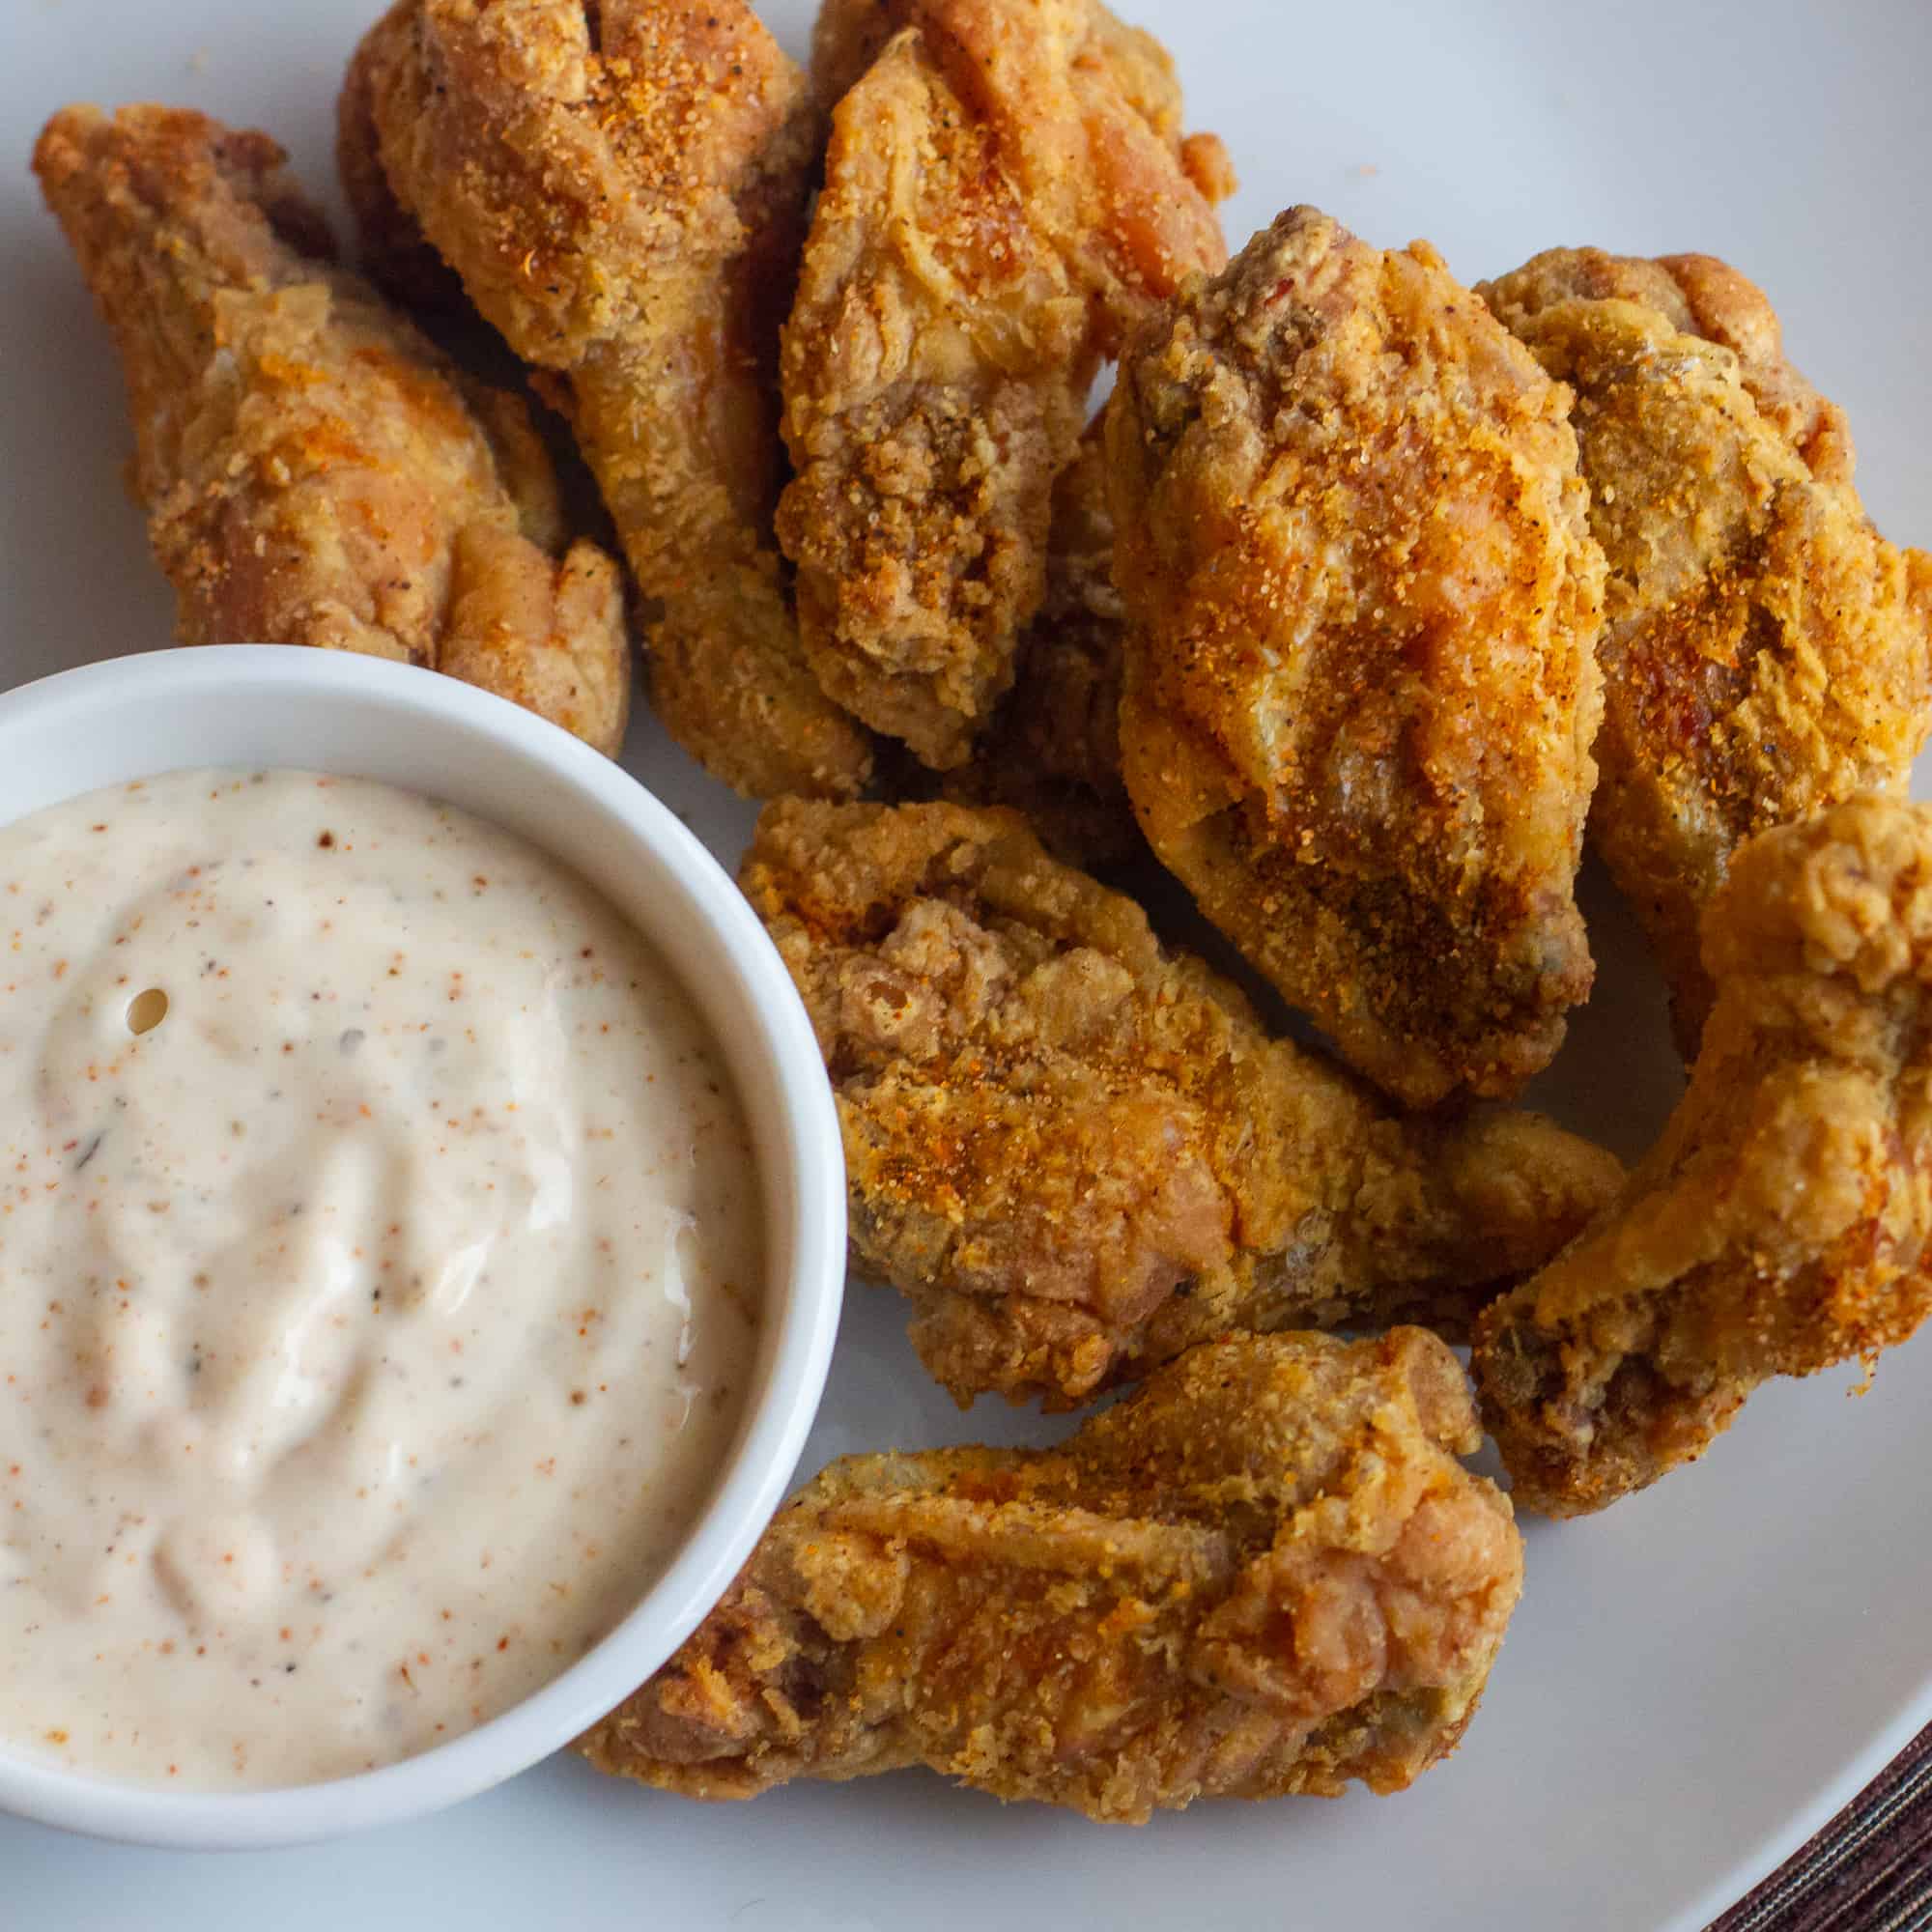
(313, 471)
(622, 191)
(1007, 195)
(1361, 684)
(1078, 1155)
(1264, 1573)
(1781, 1223)
(1767, 653)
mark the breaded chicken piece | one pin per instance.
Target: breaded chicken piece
(1781, 1223)
(1052, 750)
(1264, 1573)
(622, 190)
(1007, 195)
(1767, 652)
(1361, 683)
(313, 471)
(1078, 1155)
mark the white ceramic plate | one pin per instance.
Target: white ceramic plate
(1696, 1679)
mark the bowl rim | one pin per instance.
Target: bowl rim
(811, 1196)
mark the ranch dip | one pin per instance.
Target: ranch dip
(380, 1268)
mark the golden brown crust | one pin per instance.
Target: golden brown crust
(624, 205)
(1697, 294)
(1361, 685)
(314, 473)
(1781, 1223)
(1006, 196)
(1086, 113)
(1766, 652)
(1264, 1573)
(1078, 1155)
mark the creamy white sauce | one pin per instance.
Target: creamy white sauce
(374, 1321)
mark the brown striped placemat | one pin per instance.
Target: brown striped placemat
(1868, 1870)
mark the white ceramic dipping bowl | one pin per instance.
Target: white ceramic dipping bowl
(261, 706)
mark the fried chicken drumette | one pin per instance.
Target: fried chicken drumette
(1361, 685)
(1264, 1573)
(1078, 1155)
(1767, 653)
(314, 472)
(622, 191)
(1007, 195)
(1781, 1223)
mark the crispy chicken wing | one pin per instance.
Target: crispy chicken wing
(1767, 652)
(1078, 1155)
(1781, 1223)
(1007, 193)
(313, 471)
(622, 190)
(1361, 685)
(1264, 1573)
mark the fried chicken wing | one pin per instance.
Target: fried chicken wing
(1767, 652)
(1006, 194)
(313, 471)
(622, 191)
(1078, 1155)
(1781, 1223)
(1360, 680)
(1264, 1573)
